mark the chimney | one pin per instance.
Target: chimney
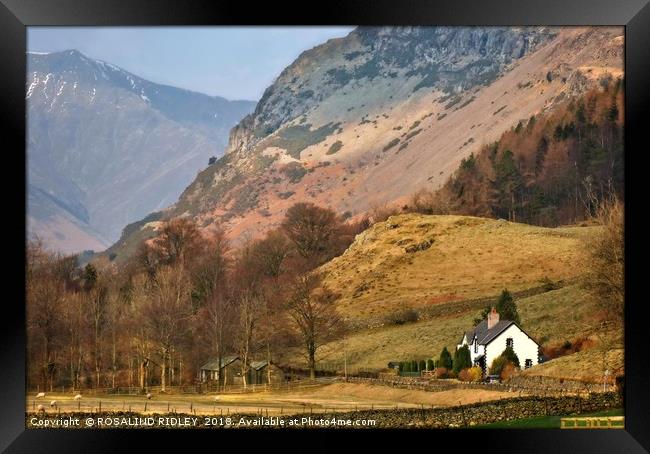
(492, 318)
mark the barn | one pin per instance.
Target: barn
(258, 374)
(230, 367)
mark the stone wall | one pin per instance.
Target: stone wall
(461, 416)
(522, 386)
(488, 412)
(558, 384)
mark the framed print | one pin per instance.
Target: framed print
(361, 218)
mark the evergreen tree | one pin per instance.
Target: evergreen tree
(612, 113)
(482, 316)
(462, 359)
(507, 308)
(540, 155)
(508, 182)
(89, 277)
(445, 359)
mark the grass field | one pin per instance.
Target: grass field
(550, 318)
(543, 422)
(330, 397)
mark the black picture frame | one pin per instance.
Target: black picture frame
(15, 15)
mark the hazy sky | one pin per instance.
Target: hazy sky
(233, 62)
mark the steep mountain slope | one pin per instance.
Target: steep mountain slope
(106, 147)
(373, 117)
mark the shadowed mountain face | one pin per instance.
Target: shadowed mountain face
(106, 147)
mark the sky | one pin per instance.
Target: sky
(233, 62)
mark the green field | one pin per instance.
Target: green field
(543, 422)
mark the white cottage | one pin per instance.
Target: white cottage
(491, 337)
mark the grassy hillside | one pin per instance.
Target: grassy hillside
(445, 269)
(551, 318)
(418, 261)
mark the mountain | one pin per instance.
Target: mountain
(371, 118)
(106, 147)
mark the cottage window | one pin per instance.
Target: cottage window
(529, 363)
(509, 342)
(475, 345)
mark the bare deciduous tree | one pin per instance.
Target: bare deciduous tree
(312, 229)
(168, 312)
(605, 277)
(211, 289)
(311, 308)
(177, 240)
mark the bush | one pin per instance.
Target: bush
(336, 146)
(497, 365)
(391, 144)
(441, 372)
(406, 366)
(567, 347)
(403, 316)
(462, 359)
(511, 356)
(430, 365)
(414, 366)
(508, 371)
(422, 365)
(465, 375)
(505, 364)
(476, 374)
(294, 171)
(548, 285)
(620, 387)
(471, 374)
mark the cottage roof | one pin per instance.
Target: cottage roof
(485, 335)
(213, 364)
(257, 365)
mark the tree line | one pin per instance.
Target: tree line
(549, 170)
(185, 297)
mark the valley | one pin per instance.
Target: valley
(399, 200)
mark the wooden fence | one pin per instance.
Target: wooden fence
(593, 422)
(201, 388)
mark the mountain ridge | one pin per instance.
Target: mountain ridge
(108, 147)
